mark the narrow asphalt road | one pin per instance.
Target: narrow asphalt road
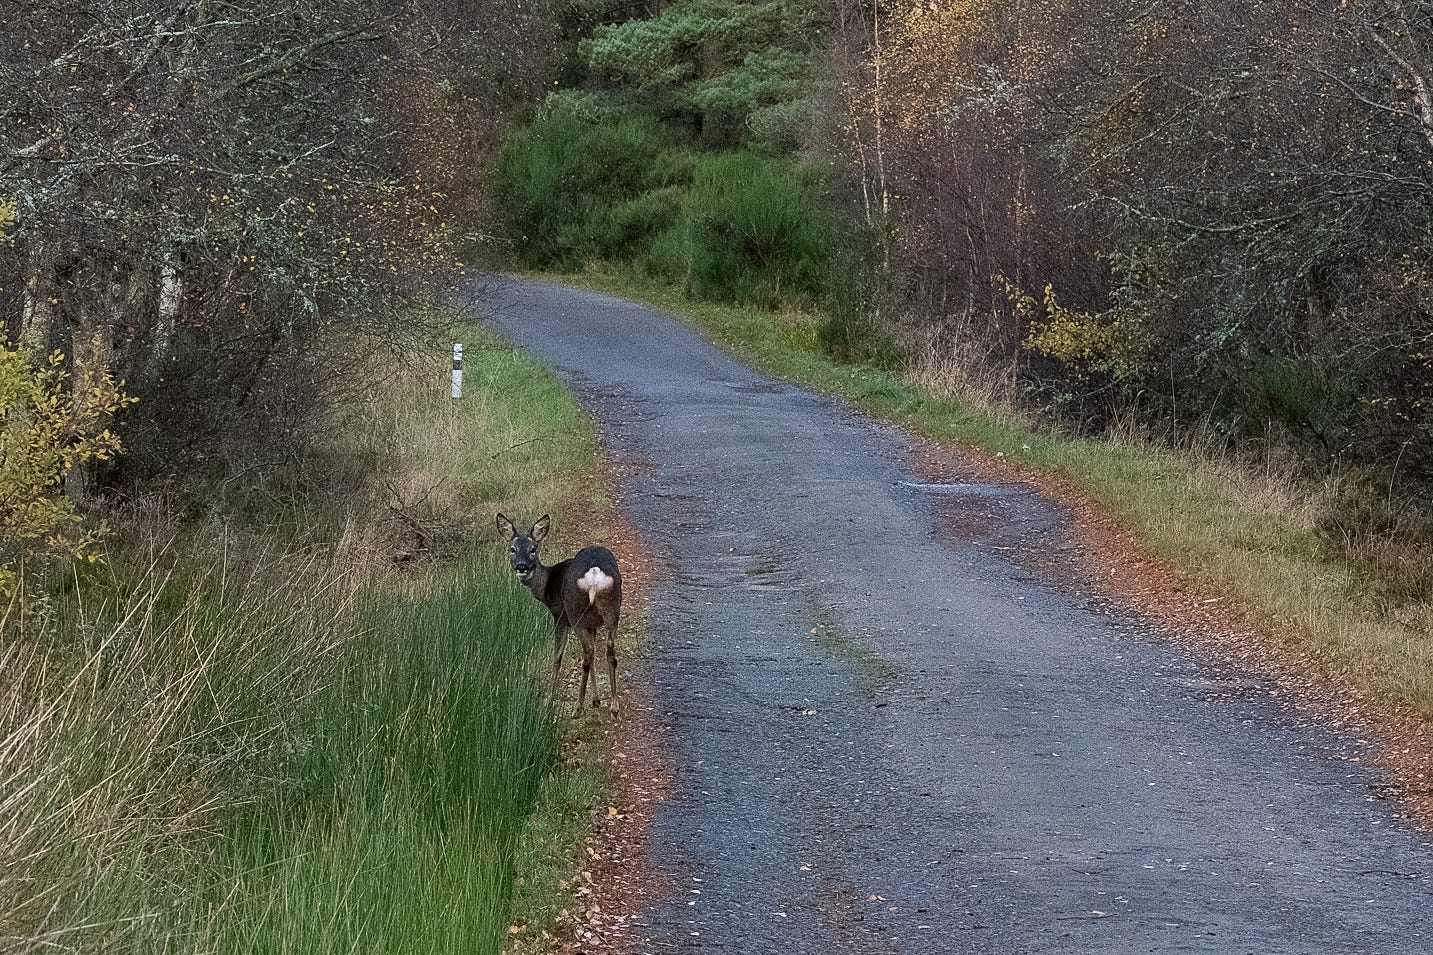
(886, 742)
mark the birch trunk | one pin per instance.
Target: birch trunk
(171, 291)
(37, 311)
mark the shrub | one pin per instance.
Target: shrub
(628, 230)
(851, 329)
(857, 339)
(1104, 343)
(754, 230)
(559, 180)
(45, 433)
(1304, 395)
(673, 167)
(734, 226)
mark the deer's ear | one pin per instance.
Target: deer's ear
(505, 528)
(540, 529)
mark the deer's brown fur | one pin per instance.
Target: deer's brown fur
(583, 593)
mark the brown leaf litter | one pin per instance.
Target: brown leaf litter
(614, 884)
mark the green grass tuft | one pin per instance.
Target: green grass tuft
(400, 815)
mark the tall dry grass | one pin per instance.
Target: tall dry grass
(954, 360)
(132, 728)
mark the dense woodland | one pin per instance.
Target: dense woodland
(1189, 220)
(1171, 208)
(198, 193)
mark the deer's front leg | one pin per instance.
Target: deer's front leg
(560, 631)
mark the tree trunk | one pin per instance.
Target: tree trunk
(91, 360)
(37, 313)
(91, 354)
(171, 292)
(878, 63)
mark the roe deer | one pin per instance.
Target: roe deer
(583, 593)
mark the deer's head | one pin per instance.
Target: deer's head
(523, 548)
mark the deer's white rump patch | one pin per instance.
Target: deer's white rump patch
(593, 583)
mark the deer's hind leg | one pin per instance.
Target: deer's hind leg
(589, 641)
(609, 623)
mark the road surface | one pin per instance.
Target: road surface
(889, 741)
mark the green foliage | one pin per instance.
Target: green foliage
(632, 228)
(595, 106)
(1305, 396)
(756, 231)
(775, 128)
(764, 96)
(715, 64)
(764, 76)
(674, 160)
(732, 226)
(665, 48)
(560, 179)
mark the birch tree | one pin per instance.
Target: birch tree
(204, 192)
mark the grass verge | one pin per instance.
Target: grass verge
(1251, 537)
(308, 716)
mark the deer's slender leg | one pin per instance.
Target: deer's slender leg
(588, 639)
(559, 642)
(611, 623)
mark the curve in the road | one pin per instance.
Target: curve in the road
(886, 741)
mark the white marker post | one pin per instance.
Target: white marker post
(457, 370)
